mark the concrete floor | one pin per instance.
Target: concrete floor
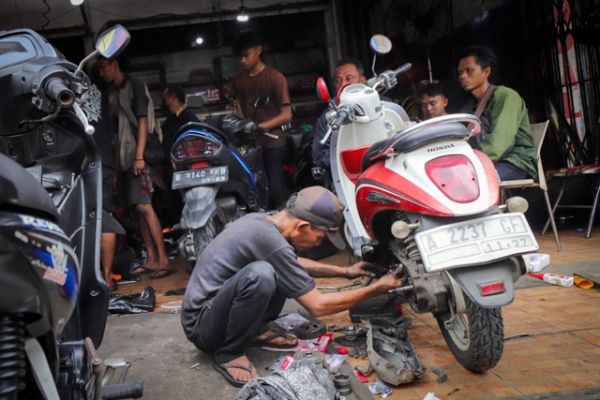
(559, 358)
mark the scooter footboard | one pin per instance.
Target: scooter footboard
(489, 285)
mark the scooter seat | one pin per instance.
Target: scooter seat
(414, 140)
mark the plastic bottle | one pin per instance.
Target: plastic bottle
(554, 279)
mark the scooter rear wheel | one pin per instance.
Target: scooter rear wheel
(475, 338)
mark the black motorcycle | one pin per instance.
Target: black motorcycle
(53, 300)
(218, 169)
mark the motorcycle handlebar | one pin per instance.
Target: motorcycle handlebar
(56, 89)
(401, 69)
(340, 117)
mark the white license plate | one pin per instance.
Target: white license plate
(200, 177)
(475, 241)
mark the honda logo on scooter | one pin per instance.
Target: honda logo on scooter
(438, 148)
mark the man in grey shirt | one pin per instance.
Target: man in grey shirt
(243, 277)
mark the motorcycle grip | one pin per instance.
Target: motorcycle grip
(128, 390)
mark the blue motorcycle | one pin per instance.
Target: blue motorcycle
(219, 170)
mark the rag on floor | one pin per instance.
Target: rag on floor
(301, 381)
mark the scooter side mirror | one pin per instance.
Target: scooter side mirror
(113, 41)
(380, 44)
(109, 45)
(322, 91)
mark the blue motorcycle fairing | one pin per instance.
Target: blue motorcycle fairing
(39, 247)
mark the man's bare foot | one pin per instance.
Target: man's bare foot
(276, 338)
(151, 263)
(163, 263)
(238, 369)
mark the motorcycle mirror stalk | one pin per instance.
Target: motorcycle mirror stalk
(381, 45)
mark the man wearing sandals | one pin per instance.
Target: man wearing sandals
(246, 273)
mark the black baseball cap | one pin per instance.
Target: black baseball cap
(322, 209)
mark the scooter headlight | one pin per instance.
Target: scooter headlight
(517, 204)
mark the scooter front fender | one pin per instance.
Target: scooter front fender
(199, 205)
(470, 280)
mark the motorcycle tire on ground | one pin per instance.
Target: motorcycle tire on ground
(477, 340)
(204, 235)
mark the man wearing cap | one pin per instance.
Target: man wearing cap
(246, 273)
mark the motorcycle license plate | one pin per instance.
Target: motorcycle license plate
(200, 177)
(475, 241)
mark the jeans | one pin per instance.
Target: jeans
(230, 319)
(509, 172)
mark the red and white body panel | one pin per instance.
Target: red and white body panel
(350, 142)
(404, 179)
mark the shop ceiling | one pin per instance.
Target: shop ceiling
(61, 18)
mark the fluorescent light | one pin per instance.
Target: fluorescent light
(76, 2)
(199, 40)
(242, 16)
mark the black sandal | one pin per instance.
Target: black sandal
(277, 332)
(222, 369)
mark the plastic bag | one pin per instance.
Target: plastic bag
(133, 303)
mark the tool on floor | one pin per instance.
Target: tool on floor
(441, 374)
(554, 279)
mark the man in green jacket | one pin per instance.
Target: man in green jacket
(506, 133)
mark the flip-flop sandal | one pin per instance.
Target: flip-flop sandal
(137, 269)
(268, 341)
(222, 369)
(162, 273)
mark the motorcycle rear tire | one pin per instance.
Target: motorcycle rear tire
(477, 341)
(203, 236)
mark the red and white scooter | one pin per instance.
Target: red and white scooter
(420, 196)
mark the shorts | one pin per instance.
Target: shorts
(136, 189)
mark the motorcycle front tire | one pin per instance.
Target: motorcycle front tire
(475, 338)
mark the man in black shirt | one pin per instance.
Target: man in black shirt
(174, 99)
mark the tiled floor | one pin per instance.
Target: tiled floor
(556, 346)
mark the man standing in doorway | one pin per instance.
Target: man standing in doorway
(262, 95)
(132, 105)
